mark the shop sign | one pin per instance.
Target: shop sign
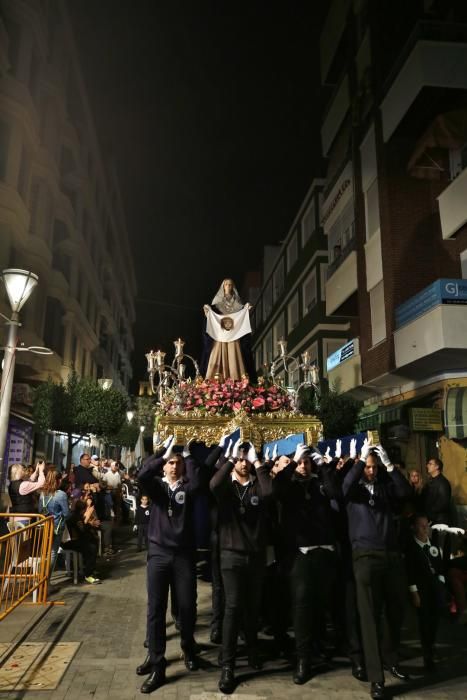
(426, 419)
(344, 353)
(442, 291)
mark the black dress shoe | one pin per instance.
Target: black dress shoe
(359, 672)
(227, 680)
(191, 662)
(302, 672)
(398, 673)
(377, 691)
(154, 681)
(216, 636)
(144, 668)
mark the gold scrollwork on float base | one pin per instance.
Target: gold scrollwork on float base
(256, 428)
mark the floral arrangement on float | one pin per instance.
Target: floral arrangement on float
(225, 397)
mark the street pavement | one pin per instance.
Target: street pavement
(108, 621)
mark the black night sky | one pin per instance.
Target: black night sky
(210, 111)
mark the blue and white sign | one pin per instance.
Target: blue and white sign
(344, 353)
(443, 291)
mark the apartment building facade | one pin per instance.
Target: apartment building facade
(61, 214)
(394, 134)
(292, 300)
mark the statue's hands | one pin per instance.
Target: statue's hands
(206, 309)
(248, 306)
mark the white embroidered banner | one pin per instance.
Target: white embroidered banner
(228, 327)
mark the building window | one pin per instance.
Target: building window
(372, 210)
(4, 143)
(278, 333)
(267, 301)
(330, 345)
(457, 160)
(267, 346)
(323, 271)
(308, 224)
(341, 237)
(53, 328)
(292, 252)
(309, 291)
(464, 264)
(278, 280)
(293, 314)
(259, 358)
(378, 314)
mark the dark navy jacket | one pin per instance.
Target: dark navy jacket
(176, 531)
(371, 525)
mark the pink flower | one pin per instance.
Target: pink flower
(258, 402)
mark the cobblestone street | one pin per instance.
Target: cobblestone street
(108, 622)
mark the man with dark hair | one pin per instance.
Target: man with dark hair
(426, 579)
(436, 494)
(373, 495)
(83, 472)
(171, 557)
(241, 492)
(305, 488)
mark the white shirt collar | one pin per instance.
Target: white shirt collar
(422, 544)
(173, 486)
(235, 478)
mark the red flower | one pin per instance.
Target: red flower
(258, 402)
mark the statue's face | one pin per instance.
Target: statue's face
(228, 287)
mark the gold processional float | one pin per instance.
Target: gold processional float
(203, 410)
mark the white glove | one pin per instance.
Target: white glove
(300, 449)
(365, 451)
(338, 453)
(236, 448)
(456, 530)
(167, 442)
(135, 528)
(317, 457)
(252, 456)
(441, 527)
(168, 453)
(327, 455)
(186, 450)
(228, 450)
(383, 455)
(274, 452)
(266, 455)
(353, 448)
(223, 440)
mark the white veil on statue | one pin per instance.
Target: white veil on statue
(227, 304)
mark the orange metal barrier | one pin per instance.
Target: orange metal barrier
(24, 559)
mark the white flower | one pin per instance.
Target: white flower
(434, 551)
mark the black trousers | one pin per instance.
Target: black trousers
(218, 598)
(167, 565)
(143, 536)
(380, 583)
(242, 575)
(312, 578)
(87, 547)
(428, 619)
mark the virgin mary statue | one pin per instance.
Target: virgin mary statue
(227, 336)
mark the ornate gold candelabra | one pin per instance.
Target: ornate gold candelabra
(163, 376)
(288, 363)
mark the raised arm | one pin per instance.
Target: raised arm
(148, 475)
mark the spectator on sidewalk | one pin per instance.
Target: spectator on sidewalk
(436, 494)
(21, 490)
(83, 472)
(83, 540)
(142, 516)
(54, 501)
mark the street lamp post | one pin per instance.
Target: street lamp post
(19, 285)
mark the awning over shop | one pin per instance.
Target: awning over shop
(456, 413)
(394, 413)
(448, 131)
(385, 414)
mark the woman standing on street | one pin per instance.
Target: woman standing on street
(53, 501)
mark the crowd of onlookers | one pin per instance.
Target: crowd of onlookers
(87, 500)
